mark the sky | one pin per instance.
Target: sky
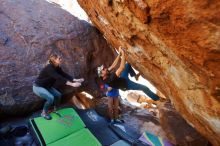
(72, 7)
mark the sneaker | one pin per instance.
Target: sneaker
(46, 116)
(112, 122)
(119, 121)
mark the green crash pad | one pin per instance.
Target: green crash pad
(81, 138)
(57, 128)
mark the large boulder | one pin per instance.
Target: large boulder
(175, 45)
(177, 129)
(29, 32)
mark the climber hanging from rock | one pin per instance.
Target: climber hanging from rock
(52, 75)
(119, 79)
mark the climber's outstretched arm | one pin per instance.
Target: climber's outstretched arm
(122, 64)
(115, 61)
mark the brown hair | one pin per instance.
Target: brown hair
(51, 58)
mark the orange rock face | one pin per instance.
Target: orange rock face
(175, 44)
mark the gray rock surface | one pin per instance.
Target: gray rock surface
(29, 32)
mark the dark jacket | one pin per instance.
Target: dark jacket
(52, 76)
(116, 82)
